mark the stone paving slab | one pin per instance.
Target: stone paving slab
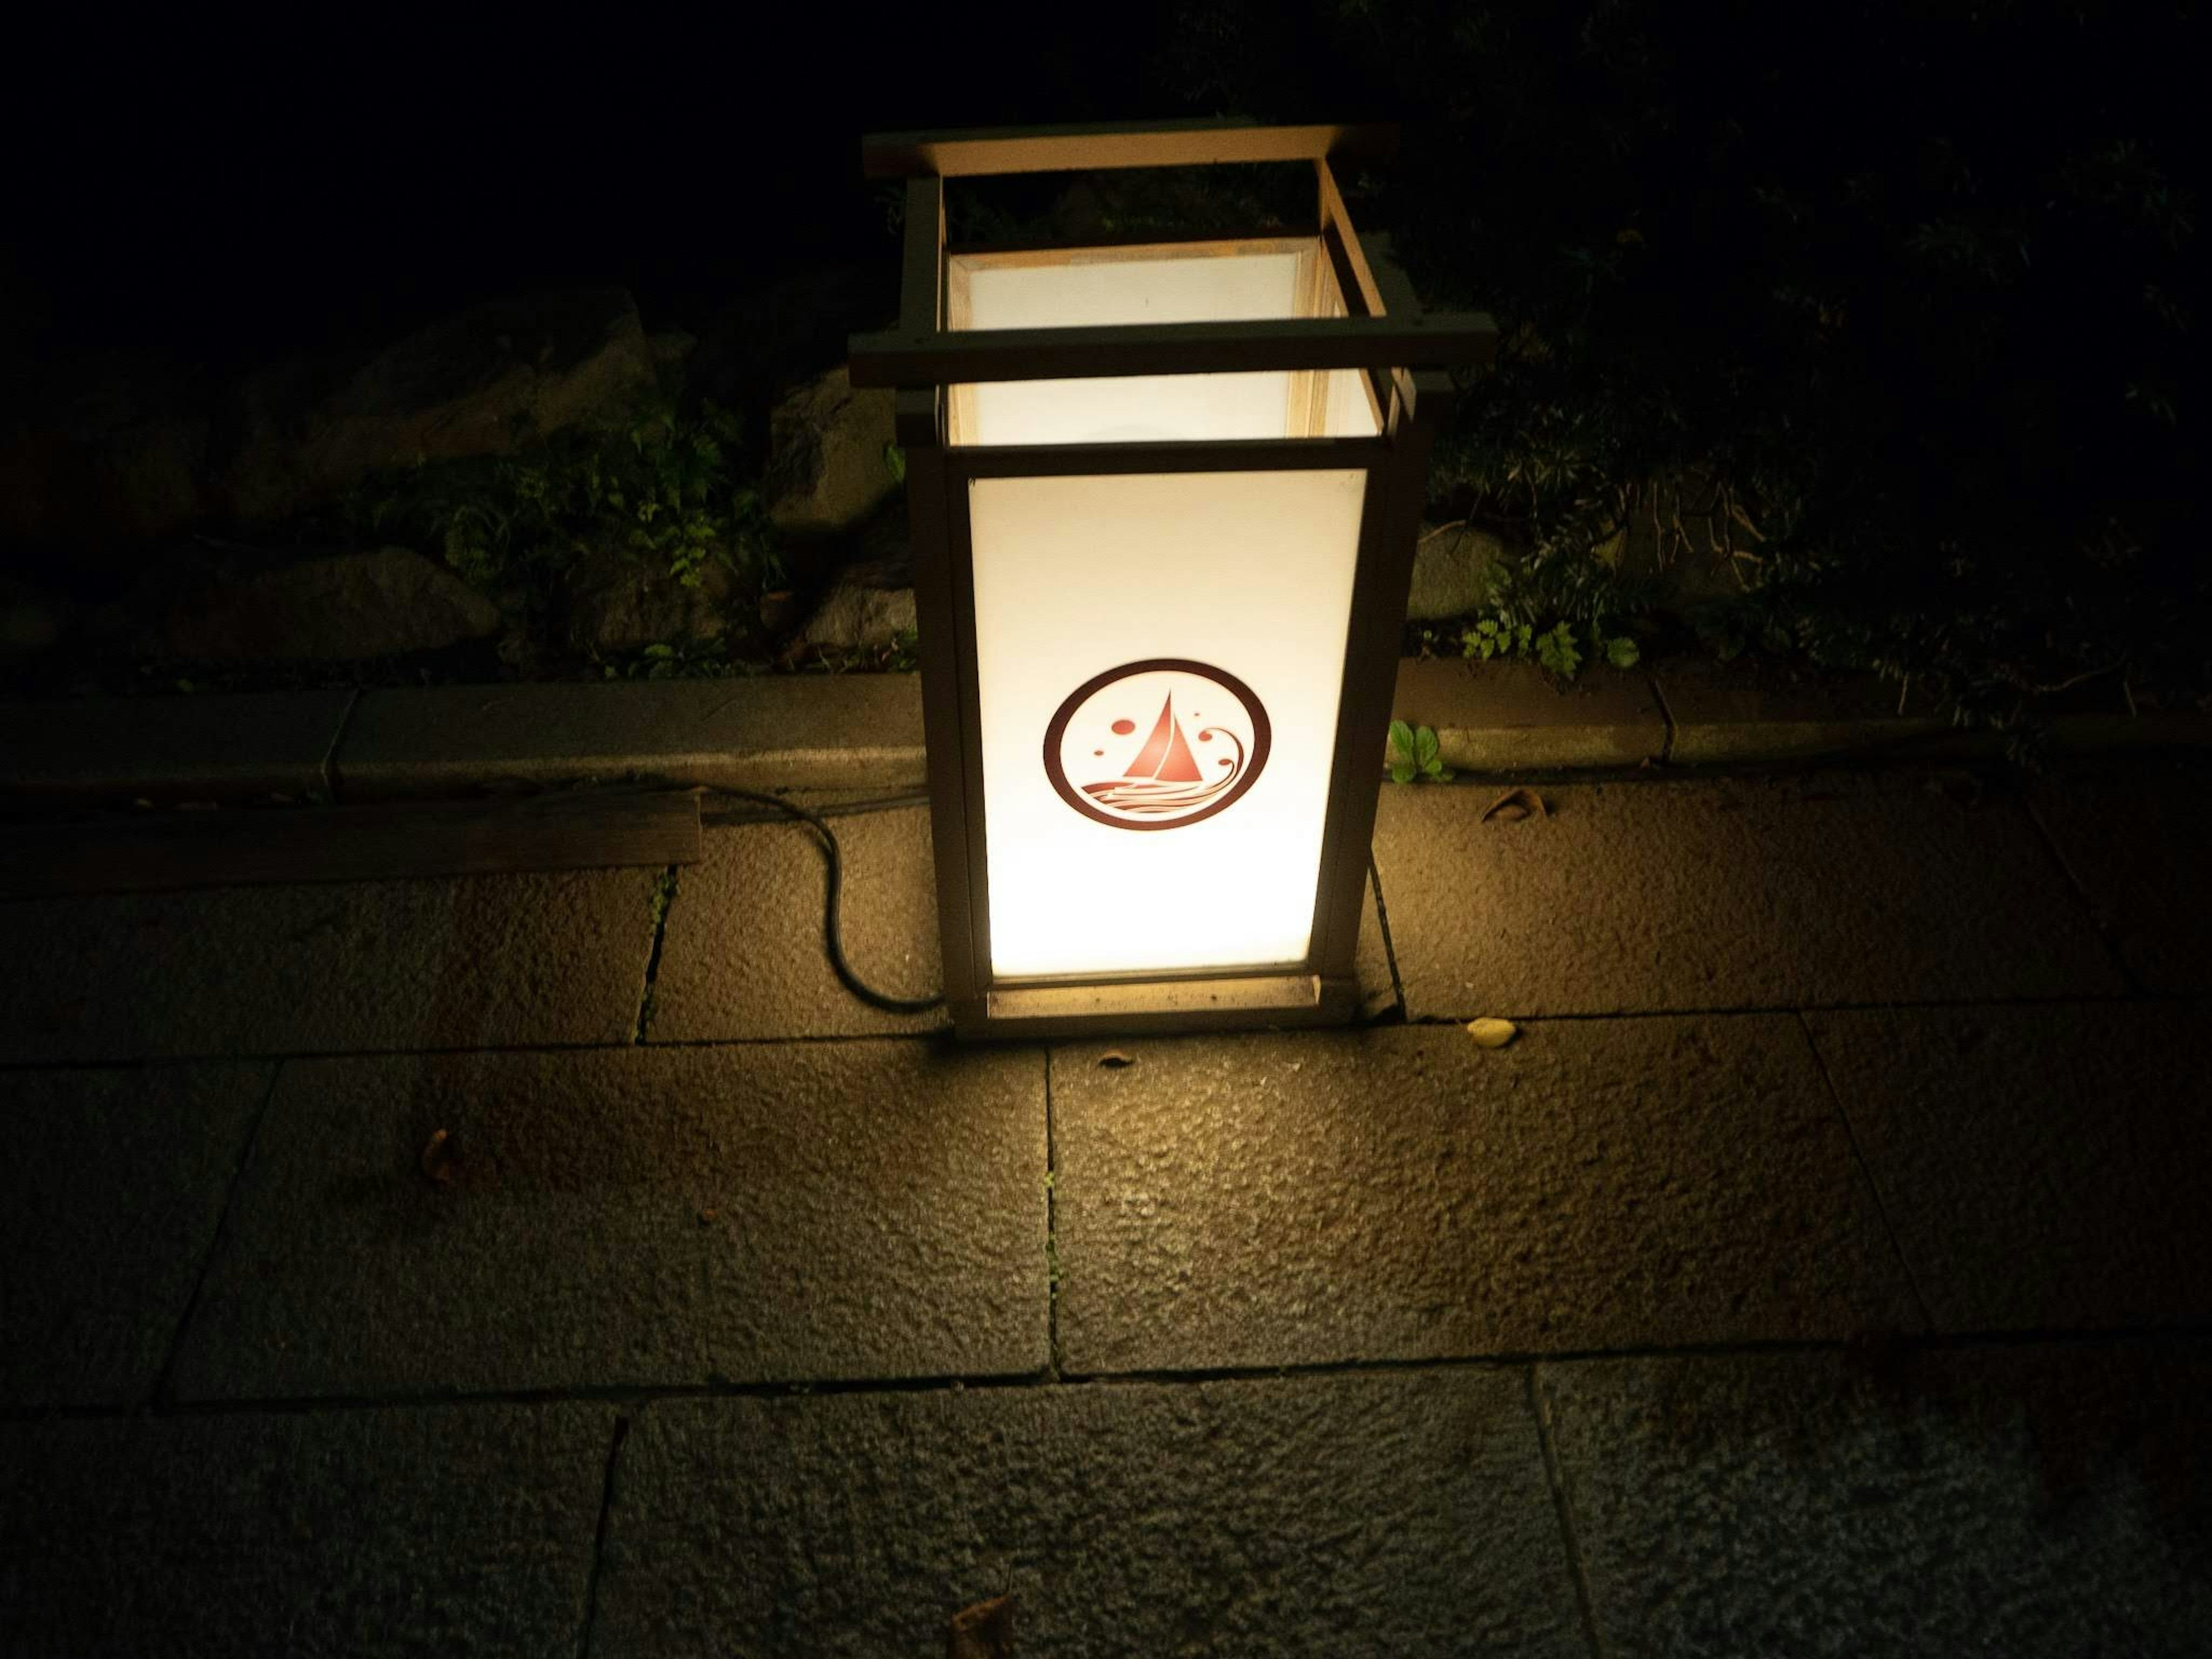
(1744, 711)
(2042, 1167)
(1636, 897)
(1346, 1516)
(1403, 1193)
(109, 1201)
(113, 750)
(768, 731)
(473, 961)
(634, 1217)
(2138, 841)
(2017, 1502)
(441, 1531)
(743, 957)
(1503, 717)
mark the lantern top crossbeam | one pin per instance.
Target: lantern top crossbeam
(1211, 143)
(1379, 334)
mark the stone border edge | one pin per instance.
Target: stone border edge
(1618, 730)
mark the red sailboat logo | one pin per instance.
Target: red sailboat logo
(1165, 782)
(1164, 777)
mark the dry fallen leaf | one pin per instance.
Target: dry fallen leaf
(1516, 804)
(438, 1157)
(985, 1631)
(1492, 1033)
(1116, 1058)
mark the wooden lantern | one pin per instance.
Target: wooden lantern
(1164, 496)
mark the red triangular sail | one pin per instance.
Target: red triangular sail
(1181, 766)
(1147, 763)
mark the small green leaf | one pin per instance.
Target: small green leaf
(1622, 652)
(1401, 773)
(894, 462)
(1401, 743)
(1425, 747)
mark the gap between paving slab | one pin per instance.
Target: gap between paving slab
(865, 730)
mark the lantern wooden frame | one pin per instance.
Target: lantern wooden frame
(1399, 352)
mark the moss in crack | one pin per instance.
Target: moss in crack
(657, 907)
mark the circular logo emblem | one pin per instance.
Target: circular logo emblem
(1156, 744)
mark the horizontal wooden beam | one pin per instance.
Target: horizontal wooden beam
(986, 152)
(1206, 455)
(1427, 341)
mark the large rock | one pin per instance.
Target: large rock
(617, 603)
(343, 608)
(858, 614)
(109, 451)
(477, 384)
(1451, 568)
(827, 471)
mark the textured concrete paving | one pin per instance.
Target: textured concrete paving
(891, 1326)
(743, 955)
(413, 1532)
(1640, 897)
(2042, 1167)
(470, 961)
(1346, 1516)
(1497, 716)
(109, 1199)
(634, 1217)
(2022, 1503)
(1595, 1185)
(2137, 840)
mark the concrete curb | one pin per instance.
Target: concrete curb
(865, 731)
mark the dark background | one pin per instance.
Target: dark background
(221, 189)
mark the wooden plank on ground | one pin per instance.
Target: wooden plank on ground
(588, 831)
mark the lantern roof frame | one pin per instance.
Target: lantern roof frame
(1384, 332)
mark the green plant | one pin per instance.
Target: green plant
(1414, 754)
(654, 484)
(1828, 366)
(689, 660)
(1557, 649)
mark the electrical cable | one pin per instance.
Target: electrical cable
(818, 822)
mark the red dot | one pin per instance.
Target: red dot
(1205, 736)
(1123, 728)
(1098, 752)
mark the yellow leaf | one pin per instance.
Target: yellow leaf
(1492, 1033)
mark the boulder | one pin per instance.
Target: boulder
(616, 603)
(827, 471)
(343, 607)
(477, 384)
(1451, 566)
(858, 616)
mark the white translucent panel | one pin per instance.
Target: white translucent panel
(1159, 659)
(1228, 288)
(1277, 281)
(1135, 408)
(1350, 410)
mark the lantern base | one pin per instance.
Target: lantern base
(1218, 1002)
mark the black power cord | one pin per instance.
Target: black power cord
(818, 822)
